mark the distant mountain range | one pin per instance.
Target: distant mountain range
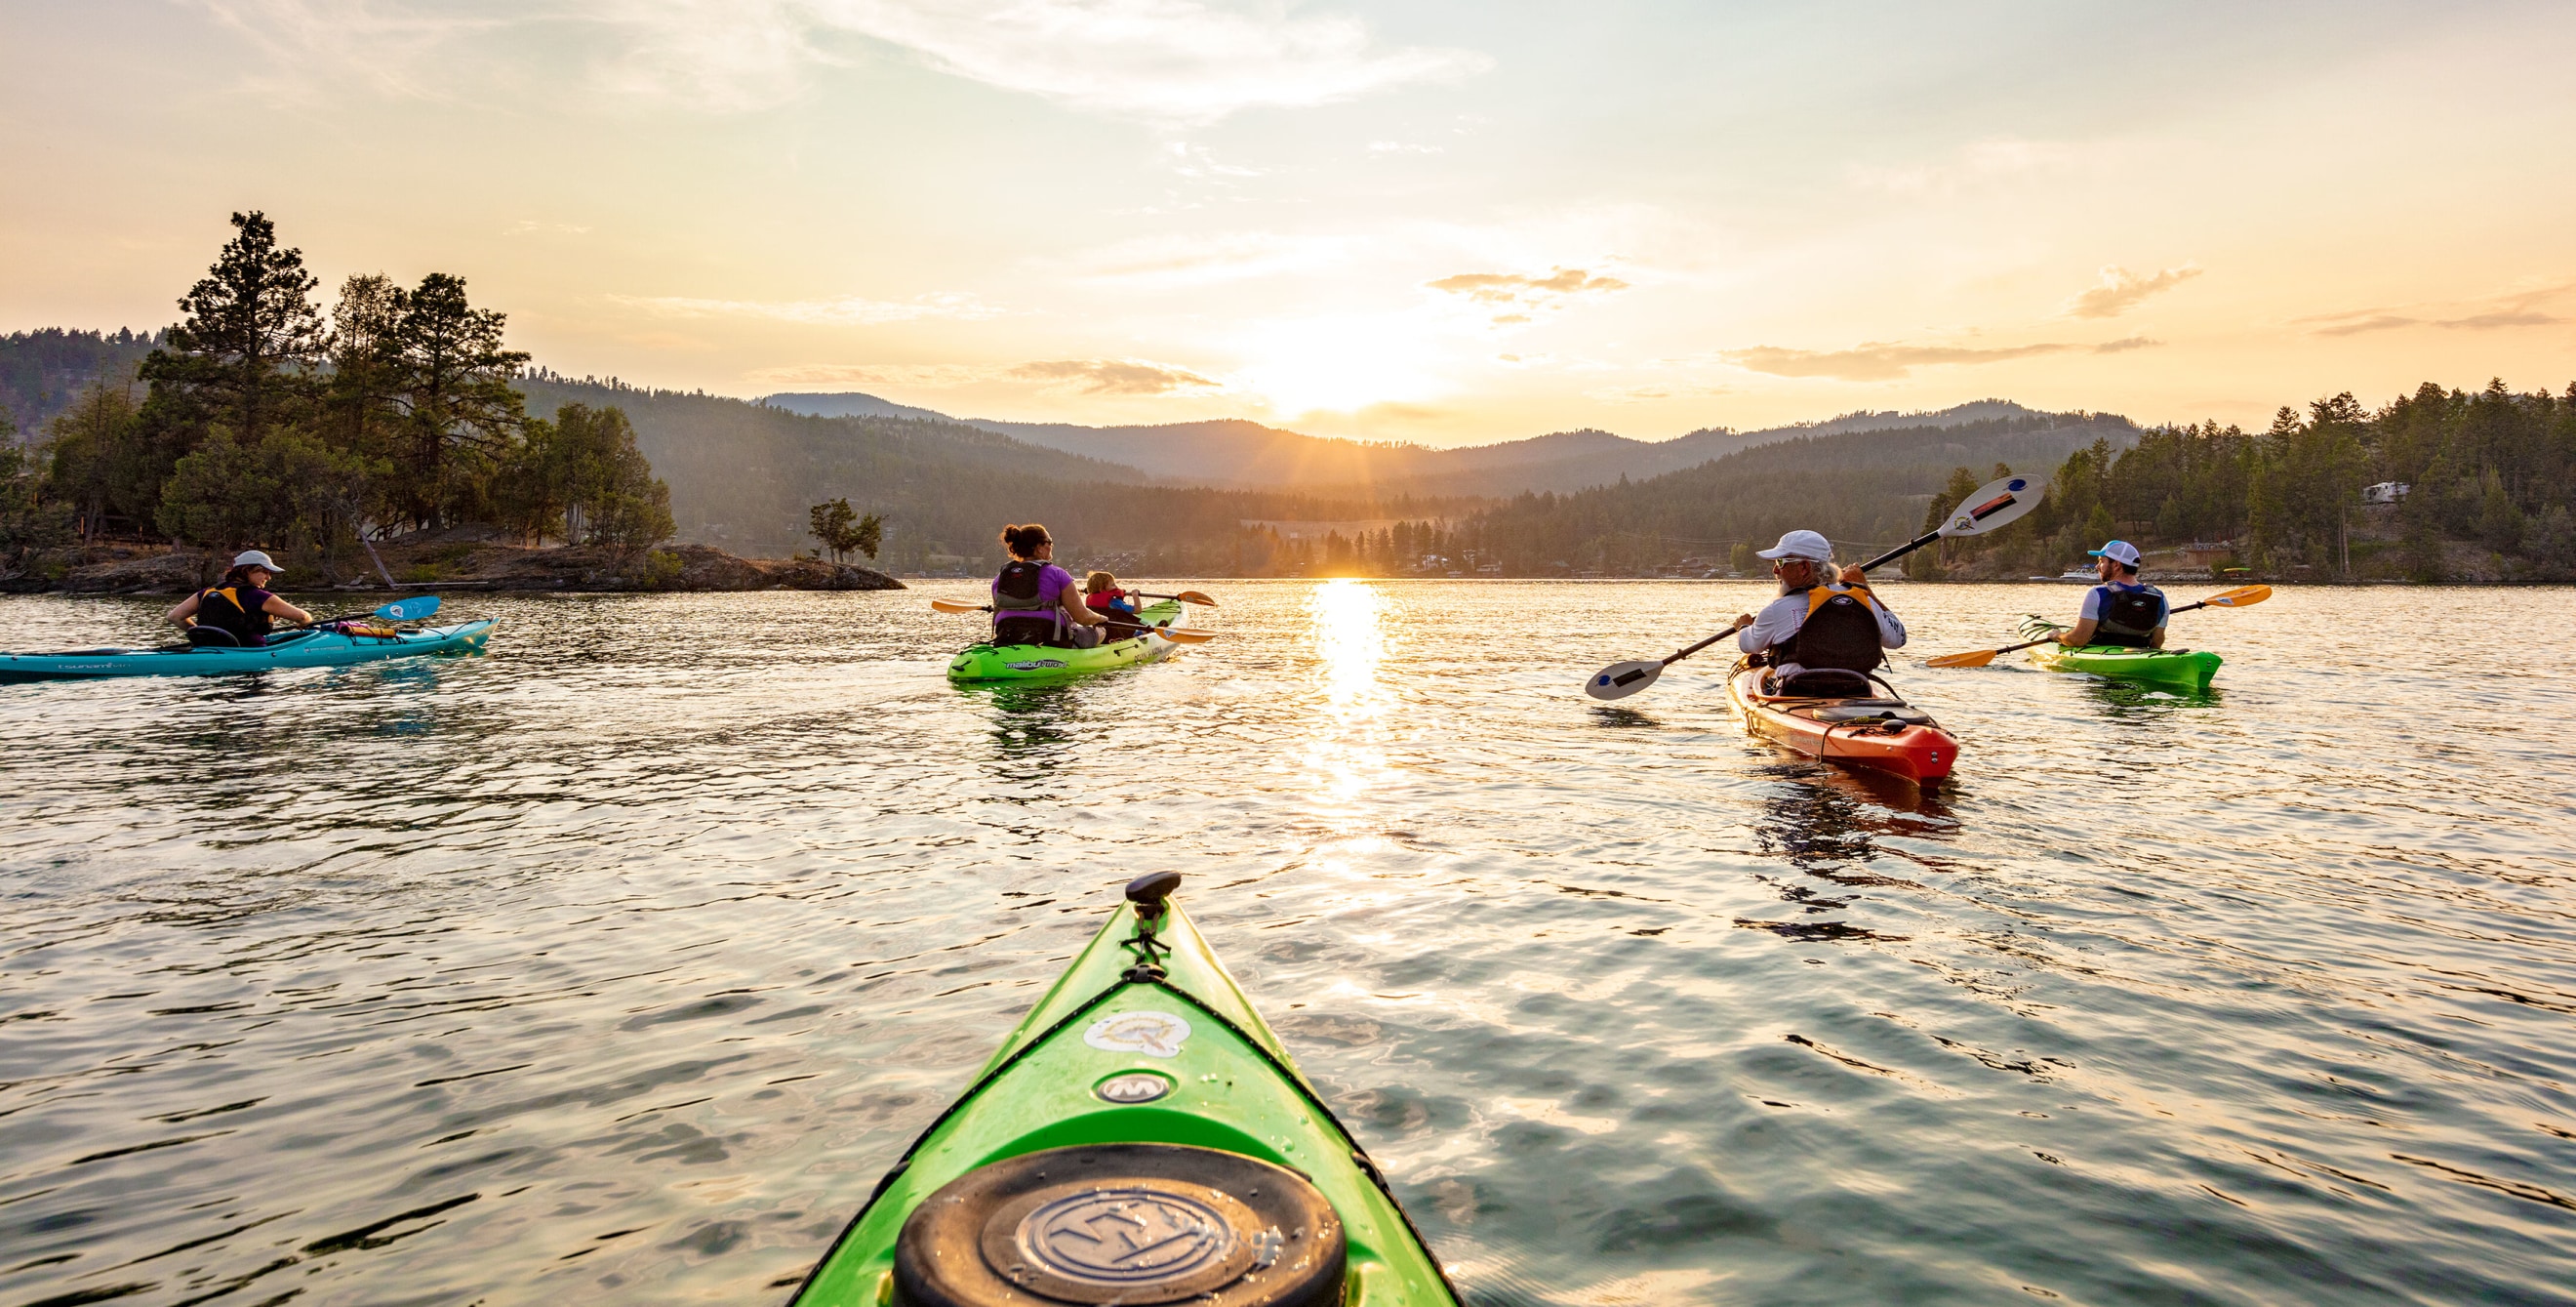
(1238, 453)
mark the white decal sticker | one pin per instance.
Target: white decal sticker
(1155, 1034)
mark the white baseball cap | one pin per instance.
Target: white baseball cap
(254, 558)
(1801, 544)
(2118, 551)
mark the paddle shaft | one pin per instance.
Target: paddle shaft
(1702, 645)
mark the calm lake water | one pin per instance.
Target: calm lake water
(615, 966)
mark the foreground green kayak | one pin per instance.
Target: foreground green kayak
(1039, 662)
(1141, 1138)
(2181, 669)
(319, 648)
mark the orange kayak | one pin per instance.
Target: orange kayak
(1882, 734)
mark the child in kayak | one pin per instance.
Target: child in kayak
(1101, 593)
(2123, 610)
(1826, 628)
(237, 610)
(1035, 601)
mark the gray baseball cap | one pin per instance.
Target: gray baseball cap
(254, 558)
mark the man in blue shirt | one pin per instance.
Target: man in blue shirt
(2122, 610)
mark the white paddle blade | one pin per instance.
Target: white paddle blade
(1619, 680)
(1995, 505)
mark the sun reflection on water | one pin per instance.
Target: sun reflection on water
(1347, 752)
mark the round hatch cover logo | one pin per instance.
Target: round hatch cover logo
(1136, 1237)
(1155, 1034)
(1133, 1087)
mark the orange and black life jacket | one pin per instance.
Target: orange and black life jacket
(1840, 631)
(238, 611)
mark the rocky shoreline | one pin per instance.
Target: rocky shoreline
(447, 564)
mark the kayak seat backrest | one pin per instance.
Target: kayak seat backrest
(212, 637)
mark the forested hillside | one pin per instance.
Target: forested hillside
(42, 372)
(1237, 453)
(743, 476)
(2477, 485)
(1864, 490)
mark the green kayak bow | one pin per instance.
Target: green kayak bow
(1142, 1137)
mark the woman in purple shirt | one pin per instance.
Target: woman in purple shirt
(238, 609)
(1037, 602)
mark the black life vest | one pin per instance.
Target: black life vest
(1840, 631)
(1021, 614)
(2129, 617)
(221, 608)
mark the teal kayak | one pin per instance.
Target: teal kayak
(1042, 662)
(1141, 1137)
(316, 648)
(2181, 669)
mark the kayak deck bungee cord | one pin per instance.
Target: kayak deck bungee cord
(320, 647)
(2182, 669)
(986, 661)
(1140, 1137)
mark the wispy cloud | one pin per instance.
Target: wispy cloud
(845, 311)
(1172, 61)
(1505, 288)
(1880, 361)
(1114, 376)
(2503, 312)
(2120, 290)
(1124, 377)
(1176, 262)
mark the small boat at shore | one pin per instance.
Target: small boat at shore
(1141, 1137)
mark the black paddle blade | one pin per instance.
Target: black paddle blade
(1619, 680)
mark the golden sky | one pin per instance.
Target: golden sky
(1448, 222)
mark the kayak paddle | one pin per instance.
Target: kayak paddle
(2241, 597)
(1619, 680)
(1994, 504)
(1186, 596)
(952, 606)
(400, 610)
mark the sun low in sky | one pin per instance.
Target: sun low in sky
(1447, 222)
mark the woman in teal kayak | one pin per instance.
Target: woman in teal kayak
(1037, 602)
(237, 610)
(2123, 610)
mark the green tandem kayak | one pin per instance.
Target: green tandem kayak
(1142, 1137)
(1038, 662)
(2179, 669)
(320, 648)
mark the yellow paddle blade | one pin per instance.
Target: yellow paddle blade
(1184, 637)
(2239, 598)
(1194, 597)
(1977, 659)
(952, 606)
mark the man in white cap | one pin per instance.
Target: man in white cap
(2122, 610)
(237, 610)
(1821, 619)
